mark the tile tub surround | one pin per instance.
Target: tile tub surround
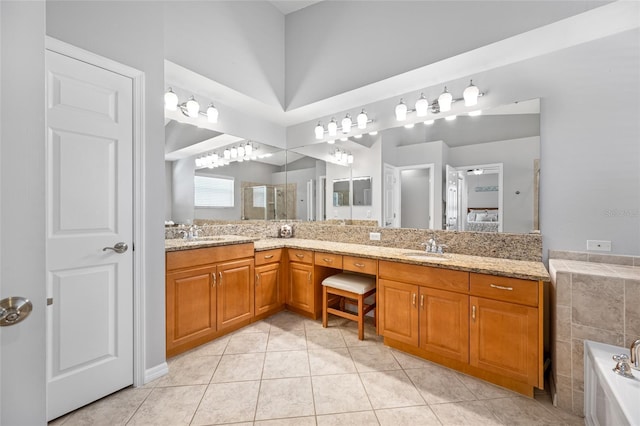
(589, 300)
(330, 378)
(527, 247)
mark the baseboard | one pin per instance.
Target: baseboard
(156, 372)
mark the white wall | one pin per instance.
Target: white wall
(22, 210)
(131, 33)
(168, 187)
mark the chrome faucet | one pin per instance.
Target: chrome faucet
(635, 354)
(191, 234)
(432, 246)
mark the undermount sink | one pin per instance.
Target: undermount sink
(426, 256)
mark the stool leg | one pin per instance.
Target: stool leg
(325, 314)
(361, 317)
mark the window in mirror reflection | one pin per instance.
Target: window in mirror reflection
(341, 194)
(213, 191)
(362, 191)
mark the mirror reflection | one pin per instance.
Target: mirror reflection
(341, 193)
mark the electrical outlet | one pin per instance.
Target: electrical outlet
(374, 236)
(598, 245)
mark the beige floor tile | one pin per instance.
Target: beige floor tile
(228, 403)
(215, 347)
(278, 365)
(292, 421)
(281, 398)
(115, 409)
(60, 420)
(190, 370)
(237, 367)
(290, 340)
(376, 358)
(285, 321)
(465, 413)
(339, 394)
(256, 327)
(362, 418)
(333, 322)
(331, 361)
(439, 385)
(169, 406)
(485, 390)
(405, 416)
(325, 338)
(521, 411)
(390, 389)
(350, 335)
(407, 361)
(247, 343)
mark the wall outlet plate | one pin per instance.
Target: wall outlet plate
(598, 245)
(374, 236)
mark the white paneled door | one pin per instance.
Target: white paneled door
(89, 208)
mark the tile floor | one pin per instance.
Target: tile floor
(288, 370)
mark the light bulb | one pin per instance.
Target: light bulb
(319, 131)
(338, 155)
(346, 124)
(350, 159)
(331, 141)
(234, 152)
(471, 94)
(409, 126)
(451, 117)
(212, 114)
(429, 122)
(422, 106)
(214, 157)
(193, 107)
(401, 111)
(444, 100)
(170, 100)
(332, 127)
(248, 149)
(211, 166)
(227, 154)
(198, 162)
(241, 151)
(362, 120)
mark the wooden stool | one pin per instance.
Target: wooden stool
(346, 286)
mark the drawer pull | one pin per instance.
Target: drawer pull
(326, 259)
(359, 265)
(299, 256)
(414, 299)
(473, 313)
(268, 256)
(499, 287)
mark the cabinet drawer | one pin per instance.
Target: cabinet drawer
(302, 256)
(268, 256)
(328, 259)
(445, 279)
(205, 256)
(360, 264)
(514, 290)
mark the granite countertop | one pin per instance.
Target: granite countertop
(487, 265)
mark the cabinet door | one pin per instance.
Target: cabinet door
(504, 339)
(301, 294)
(398, 311)
(267, 288)
(444, 323)
(190, 306)
(235, 292)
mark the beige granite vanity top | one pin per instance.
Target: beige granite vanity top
(487, 265)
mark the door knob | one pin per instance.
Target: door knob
(13, 310)
(120, 247)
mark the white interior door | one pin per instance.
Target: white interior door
(391, 191)
(89, 156)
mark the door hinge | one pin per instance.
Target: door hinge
(49, 301)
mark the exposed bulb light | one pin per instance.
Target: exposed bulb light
(332, 127)
(357, 136)
(409, 126)
(471, 94)
(248, 149)
(227, 154)
(319, 131)
(401, 111)
(422, 106)
(375, 132)
(444, 100)
(331, 141)
(350, 159)
(362, 119)
(475, 113)
(214, 157)
(429, 122)
(451, 117)
(478, 171)
(338, 155)
(234, 152)
(241, 151)
(212, 114)
(346, 123)
(193, 107)
(170, 100)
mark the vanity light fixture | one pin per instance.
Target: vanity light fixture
(471, 94)
(444, 100)
(319, 130)
(349, 158)
(332, 127)
(190, 108)
(422, 106)
(362, 119)
(342, 156)
(227, 154)
(235, 153)
(346, 125)
(401, 111)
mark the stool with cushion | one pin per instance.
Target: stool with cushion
(352, 287)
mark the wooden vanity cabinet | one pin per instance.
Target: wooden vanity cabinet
(209, 291)
(269, 294)
(301, 296)
(398, 311)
